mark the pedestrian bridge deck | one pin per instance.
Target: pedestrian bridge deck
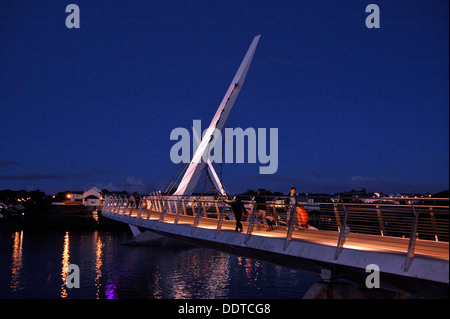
(366, 242)
(402, 240)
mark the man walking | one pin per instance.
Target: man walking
(238, 209)
(261, 209)
(291, 205)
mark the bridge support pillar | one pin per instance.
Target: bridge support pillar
(343, 232)
(412, 240)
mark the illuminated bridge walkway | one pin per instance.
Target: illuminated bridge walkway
(407, 238)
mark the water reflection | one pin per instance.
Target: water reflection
(65, 264)
(111, 287)
(16, 262)
(191, 273)
(98, 262)
(111, 270)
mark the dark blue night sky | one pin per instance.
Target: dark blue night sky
(355, 107)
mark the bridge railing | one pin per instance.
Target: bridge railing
(411, 218)
(393, 217)
(382, 216)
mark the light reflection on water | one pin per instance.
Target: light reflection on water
(16, 262)
(65, 264)
(38, 269)
(98, 262)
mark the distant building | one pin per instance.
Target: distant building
(72, 197)
(353, 193)
(93, 198)
(77, 196)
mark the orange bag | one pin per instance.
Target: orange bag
(302, 216)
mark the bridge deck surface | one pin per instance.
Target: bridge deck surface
(367, 242)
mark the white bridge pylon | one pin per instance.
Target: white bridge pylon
(200, 160)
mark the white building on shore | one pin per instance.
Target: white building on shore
(93, 198)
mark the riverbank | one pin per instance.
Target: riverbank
(70, 217)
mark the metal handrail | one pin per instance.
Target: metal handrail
(372, 218)
(413, 218)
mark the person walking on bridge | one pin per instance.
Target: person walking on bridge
(238, 209)
(261, 209)
(291, 209)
